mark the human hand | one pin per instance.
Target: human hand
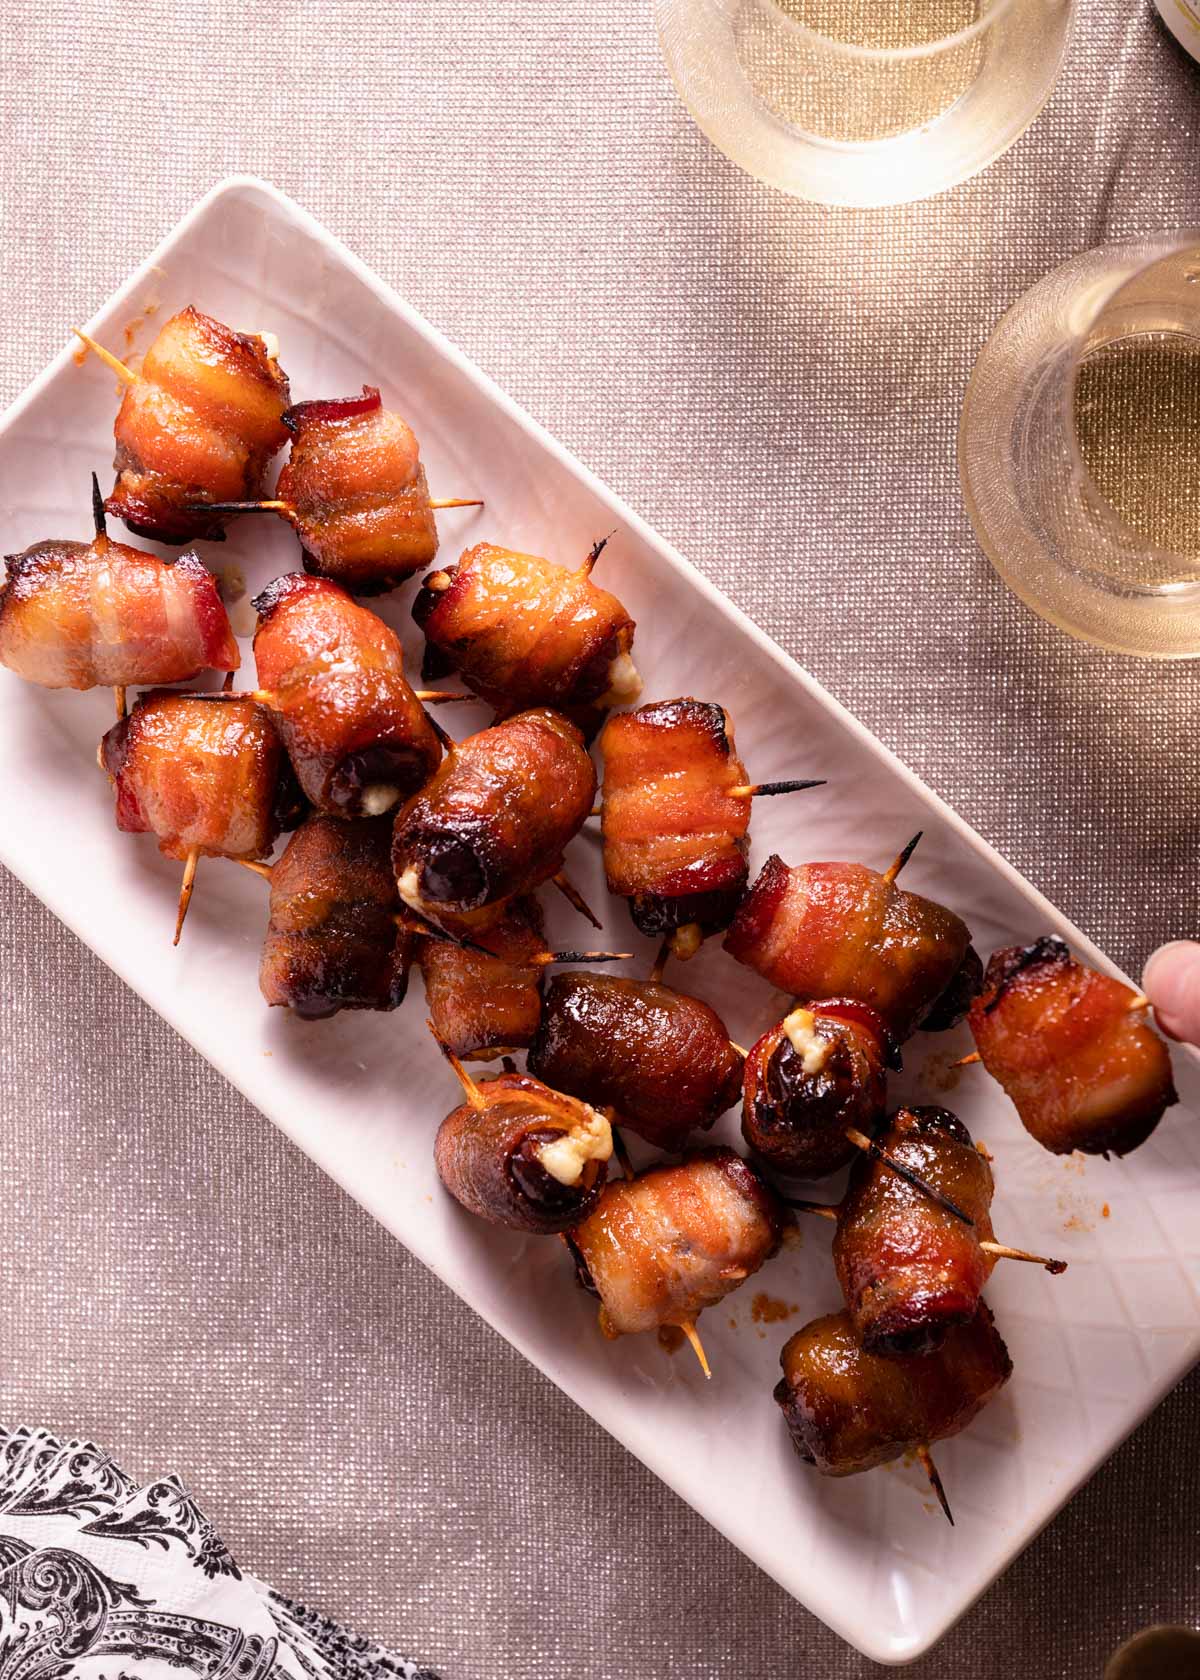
(1171, 980)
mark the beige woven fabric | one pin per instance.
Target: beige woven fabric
(775, 386)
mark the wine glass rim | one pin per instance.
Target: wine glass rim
(993, 11)
(1169, 245)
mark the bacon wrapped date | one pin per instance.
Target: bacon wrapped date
(198, 424)
(100, 614)
(518, 1154)
(808, 1080)
(910, 1269)
(332, 673)
(661, 1247)
(522, 631)
(355, 491)
(484, 1004)
(661, 1059)
(848, 1409)
(675, 837)
(332, 940)
(494, 820)
(1073, 1049)
(844, 930)
(205, 773)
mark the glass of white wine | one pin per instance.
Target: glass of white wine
(1079, 447)
(864, 102)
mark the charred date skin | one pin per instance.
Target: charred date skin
(662, 1059)
(841, 929)
(353, 727)
(84, 615)
(496, 817)
(661, 1247)
(910, 1270)
(357, 492)
(797, 1121)
(487, 1157)
(199, 424)
(712, 911)
(675, 839)
(848, 1409)
(523, 632)
(482, 1003)
(332, 941)
(1084, 1070)
(202, 772)
(951, 1008)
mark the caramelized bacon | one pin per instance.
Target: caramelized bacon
(332, 941)
(848, 1409)
(204, 772)
(524, 632)
(675, 1239)
(817, 1073)
(479, 1004)
(661, 1059)
(843, 930)
(333, 675)
(675, 839)
(1085, 1069)
(100, 614)
(198, 424)
(909, 1269)
(357, 494)
(494, 820)
(521, 1155)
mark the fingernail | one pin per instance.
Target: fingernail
(1172, 981)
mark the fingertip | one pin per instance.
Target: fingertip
(1172, 982)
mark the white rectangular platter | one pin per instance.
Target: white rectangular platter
(1094, 1350)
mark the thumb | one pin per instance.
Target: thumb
(1172, 982)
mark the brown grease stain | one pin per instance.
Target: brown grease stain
(940, 1073)
(1105, 1211)
(765, 1309)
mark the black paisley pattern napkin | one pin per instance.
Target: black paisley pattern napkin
(103, 1579)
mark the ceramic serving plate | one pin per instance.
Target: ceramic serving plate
(1094, 1350)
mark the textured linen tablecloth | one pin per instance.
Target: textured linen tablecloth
(775, 386)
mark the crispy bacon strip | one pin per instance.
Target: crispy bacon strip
(811, 1077)
(909, 1269)
(199, 424)
(661, 1059)
(848, 1409)
(333, 675)
(100, 614)
(206, 773)
(524, 632)
(481, 1004)
(843, 930)
(357, 494)
(521, 1155)
(663, 1246)
(1084, 1069)
(332, 940)
(675, 838)
(494, 820)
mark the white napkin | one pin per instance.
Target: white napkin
(99, 1576)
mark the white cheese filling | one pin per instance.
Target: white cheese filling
(624, 682)
(409, 888)
(800, 1031)
(565, 1157)
(378, 798)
